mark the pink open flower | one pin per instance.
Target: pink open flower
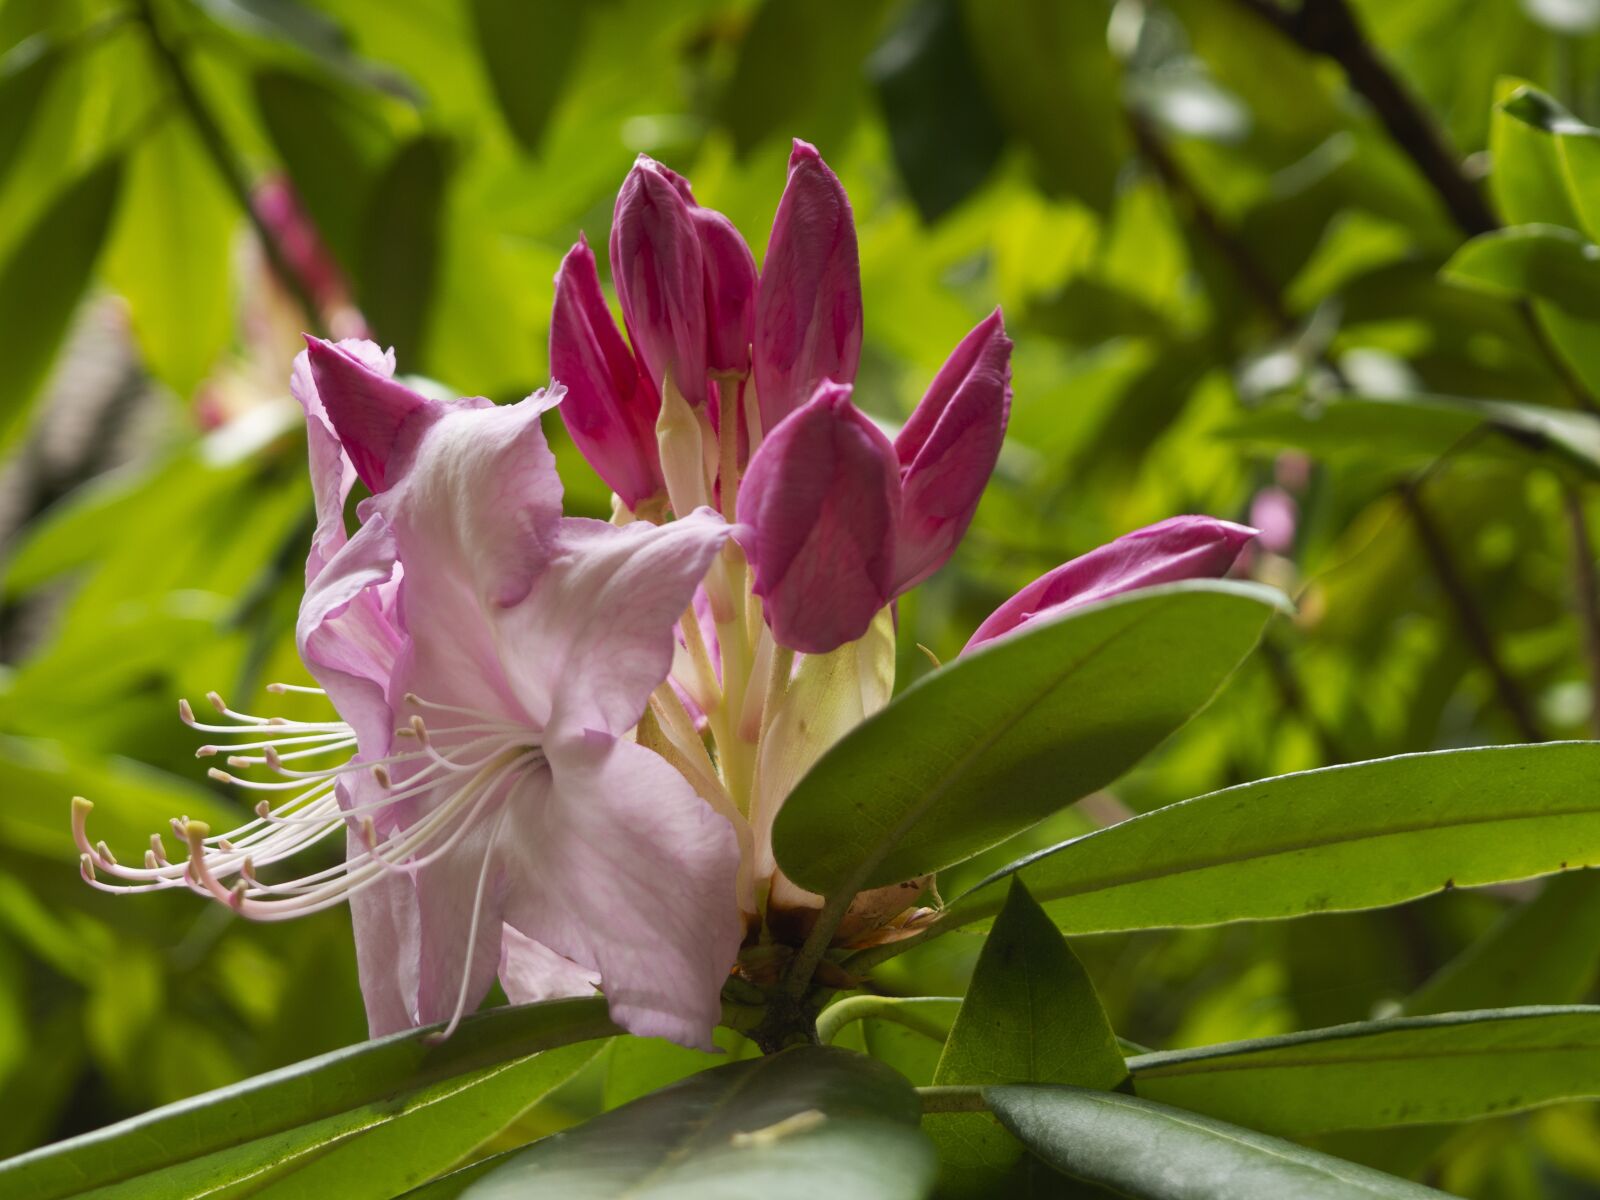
(487, 655)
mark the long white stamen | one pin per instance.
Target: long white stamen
(472, 931)
(484, 752)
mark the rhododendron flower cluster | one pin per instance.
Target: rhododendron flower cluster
(560, 744)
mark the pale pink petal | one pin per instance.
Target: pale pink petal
(345, 638)
(386, 922)
(629, 872)
(531, 971)
(596, 633)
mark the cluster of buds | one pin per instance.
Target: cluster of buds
(558, 746)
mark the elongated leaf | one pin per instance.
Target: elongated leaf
(945, 139)
(807, 1122)
(377, 1150)
(1544, 950)
(1376, 1074)
(170, 256)
(1001, 738)
(397, 258)
(42, 281)
(1535, 262)
(1152, 1152)
(1527, 182)
(26, 72)
(1030, 1016)
(1413, 430)
(382, 1076)
(1357, 836)
(1049, 73)
(508, 30)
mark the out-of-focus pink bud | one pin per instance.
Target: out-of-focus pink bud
(610, 409)
(657, 266)
(819, 504)
(1275, 514)
(948, 449)
(808, 307)
(730, 292)
(1190, 547)
(279, 209)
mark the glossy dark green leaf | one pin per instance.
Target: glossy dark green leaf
(1377, 1074)
(1415, 430)
(399, 245)
(508, 31)
(944, 136)
(1153, 1152)
(1001, 738)
(1534, 262)
(807, 1122)
(43, 280)
(1031, 1015)
(1358, 836)
(333, 142)
(1048, 72)
(798, 72)
(257, 1125)
(26, 72)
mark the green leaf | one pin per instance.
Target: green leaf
(1544, 950)
(170, 256)
(333, 143)
(1031, 1015)
(1377, 1074)
(1152, 1152)
(262, 1122)
(42, 281)
(1358, 836)
(1048, 71)
(945, 138)
(26, 71)
(1536, 262)
(1579, 148)
(807, 1122)
(1527, 181)
(506, 30)
(1415, 430)
(798, 71)
(398, 248)
(1001, 738)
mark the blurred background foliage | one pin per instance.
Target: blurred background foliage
(1220, 258)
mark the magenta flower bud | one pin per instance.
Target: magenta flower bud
(819, 502)
(948, 449)
(730, 281)
(378, 420)
(657, 267)
(1177, 548)
(610, 408)
(808, 306)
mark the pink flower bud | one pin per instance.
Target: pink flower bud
(730, 280)
(819, 501)
(1178, 548)
(657, 266)
(808, 306)
(378, 420)
(948, 449)
(610, 408)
